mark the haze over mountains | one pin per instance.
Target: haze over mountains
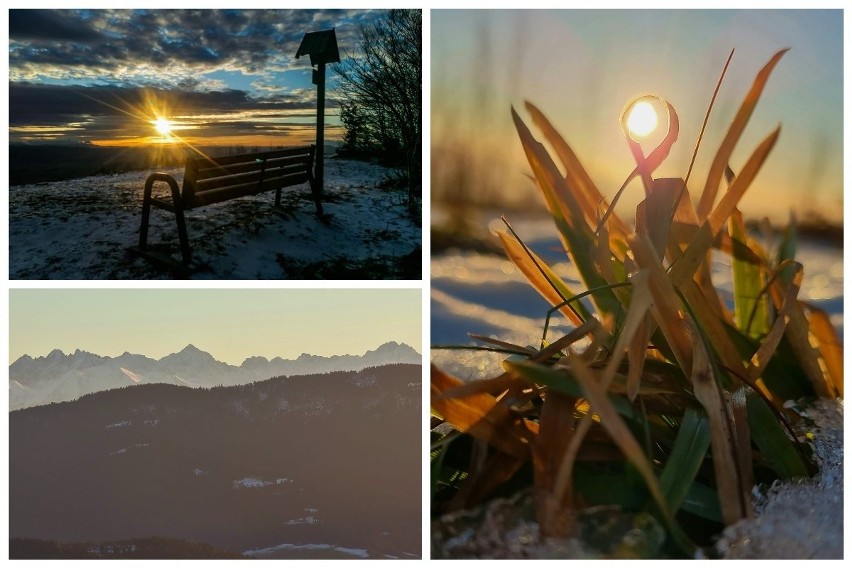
(58, 377)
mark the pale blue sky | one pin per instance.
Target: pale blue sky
(580, 67)
(229, 324)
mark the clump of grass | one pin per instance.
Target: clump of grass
(659, 381)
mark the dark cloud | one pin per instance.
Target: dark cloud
(35, 104)
(50, 26)
(102, 39)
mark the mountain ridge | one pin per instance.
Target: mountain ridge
(60, 377)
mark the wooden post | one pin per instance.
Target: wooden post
(320, 155)
(322, 48)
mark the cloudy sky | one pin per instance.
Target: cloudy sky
(221, 76)
(231, 325)
(580, 67)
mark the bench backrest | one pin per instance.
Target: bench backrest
(211, 180)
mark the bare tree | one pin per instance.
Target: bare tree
(381, 90)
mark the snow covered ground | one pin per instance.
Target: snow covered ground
(484, 294)
(83, 228)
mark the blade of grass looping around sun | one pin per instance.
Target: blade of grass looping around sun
(568, 215)
(645, 165)
(723, 156)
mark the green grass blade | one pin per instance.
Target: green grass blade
(772, 441)
(687, 454)
(560, 381)
(751, 308)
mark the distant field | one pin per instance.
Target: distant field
(42, 163)
(30, 163)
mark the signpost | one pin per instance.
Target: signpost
(322, 48)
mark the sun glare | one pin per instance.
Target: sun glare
(163, 125)
(643, 119)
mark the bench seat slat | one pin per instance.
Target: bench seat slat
(239, 158)
(207, 172)
(244, 178)
(233, 191)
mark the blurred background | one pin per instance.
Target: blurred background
(580, 67)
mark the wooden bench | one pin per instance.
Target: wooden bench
(212, 180)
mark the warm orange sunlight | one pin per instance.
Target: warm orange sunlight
(643, 119)
(163, 125)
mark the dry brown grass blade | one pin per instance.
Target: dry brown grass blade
(723, 156)
(487, 472)
(481, 416)
(686, 266)
(595, 390)
(829, 346)
(556, 429)
(540, 276)
(493, 387)
(736, 405)
(722, 436)
(764, 353)
(655, 217)
(798, 334)
(666, 304)
(634, 335)
(502, 344)
(561, 201)
(577, 177)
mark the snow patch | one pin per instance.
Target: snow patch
(119, 452)
(131, 375)
(309, 520)
(122, 424)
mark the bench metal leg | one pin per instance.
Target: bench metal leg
(146, 213)
(317, 193)
(185, 251)
(176, 207)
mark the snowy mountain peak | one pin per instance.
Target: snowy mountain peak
(59, 377)
(55, 355)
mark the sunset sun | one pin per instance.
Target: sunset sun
(643, 119)
(163, 125)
